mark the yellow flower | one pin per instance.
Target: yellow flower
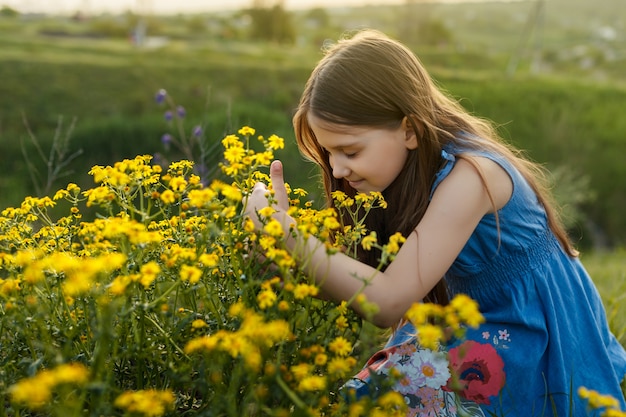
(71, 373)
(190, 274)
(246, 131)
(391, 400)
(338, 196)
(231, 140)
(467, 310)
(178, 183)
(342, 307)
(312, 383)
(369, 240)
(229, 212)
(301, 370)
(357, 409)
(267, 242)
(119, 284)
(263, 158)
(99, 195)
(267, 211)
(300, 191)
(276, 142)
(149, 272)
(321, 359)
(301, 291)
(363, 198)
(394, 243)
(149, 403)
(341, 366)
(341, 322)
(232, 193)
(9, 286)
(198, 324)
(31, 392)
(266, 299)
(340, 346)
(347, 202)
(207, 343)
(168, 197)
(429, 335)
(248, 225)
(234, 154)
(597, 400)
(200, 198)
(419, 313)
(36, 391)
(60, 194)
(331, 223)
(208, 260)
(232, 169)
(274, 228)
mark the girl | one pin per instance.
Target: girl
(478, 220)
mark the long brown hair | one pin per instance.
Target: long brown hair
(373, 80)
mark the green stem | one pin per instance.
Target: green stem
(163, 296)
(167, 336)
(292, 395)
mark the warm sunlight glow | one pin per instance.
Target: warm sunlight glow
(170, 7)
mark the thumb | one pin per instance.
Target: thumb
(278, 183)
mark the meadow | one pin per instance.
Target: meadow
(79, 93)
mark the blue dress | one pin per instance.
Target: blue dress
(545, 321)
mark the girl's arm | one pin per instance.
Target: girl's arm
(457, 206)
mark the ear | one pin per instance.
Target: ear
(411, 137)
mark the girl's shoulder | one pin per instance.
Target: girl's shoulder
(488, 162)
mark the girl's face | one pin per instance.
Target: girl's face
(369, 158)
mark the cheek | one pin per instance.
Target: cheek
(330, 161)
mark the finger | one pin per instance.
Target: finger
(278, 183)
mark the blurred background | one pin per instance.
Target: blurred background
(80, 82)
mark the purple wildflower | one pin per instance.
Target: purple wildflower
(197, 131)
(166, 139)
(180, 111)
(168, 116)
(160, 96)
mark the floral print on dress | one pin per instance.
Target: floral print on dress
(500, 340)
(479, 369)
(423, 368)
(426, 374)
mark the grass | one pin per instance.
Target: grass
(608, 271)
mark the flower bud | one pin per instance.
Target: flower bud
(160, 96)
(166, 139)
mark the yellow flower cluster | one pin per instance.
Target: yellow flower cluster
(148, 403)
(433, 320)
(248, 342)
(606, 404)
(168, 273)
(36, 391)
(242, 162)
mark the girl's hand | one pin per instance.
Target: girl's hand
(258, 198)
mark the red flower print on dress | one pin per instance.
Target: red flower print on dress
(479, 369)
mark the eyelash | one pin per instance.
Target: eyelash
(346, 154)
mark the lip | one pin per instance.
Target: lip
(355, 184)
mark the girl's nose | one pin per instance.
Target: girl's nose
(340, 170)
